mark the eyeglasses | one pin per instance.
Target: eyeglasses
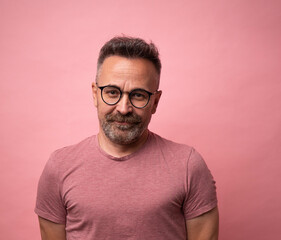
(111, 95)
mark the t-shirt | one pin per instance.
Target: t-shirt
(147, 195)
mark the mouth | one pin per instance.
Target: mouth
(125, 125)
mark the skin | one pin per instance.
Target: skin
(129, 74)
(204, 227)
(51, 231)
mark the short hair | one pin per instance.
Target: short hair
(130, 47)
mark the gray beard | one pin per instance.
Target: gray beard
(131, 133)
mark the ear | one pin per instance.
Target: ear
(95, 94)
(156, 101)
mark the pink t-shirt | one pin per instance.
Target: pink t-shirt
(146, 195)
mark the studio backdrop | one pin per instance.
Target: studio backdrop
(221, 94)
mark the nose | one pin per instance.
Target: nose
(124, 106)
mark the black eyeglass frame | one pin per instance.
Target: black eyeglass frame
(121, 94)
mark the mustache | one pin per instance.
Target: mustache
(128, 118)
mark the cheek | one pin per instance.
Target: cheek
(145, 115)
(103, 109)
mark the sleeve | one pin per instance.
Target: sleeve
(49, 203)
(201, 194)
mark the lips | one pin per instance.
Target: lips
(123, 123)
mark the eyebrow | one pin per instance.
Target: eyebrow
(113, 85)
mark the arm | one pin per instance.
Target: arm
(204, 227)
(51, 231)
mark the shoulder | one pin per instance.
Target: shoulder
(170, 147)
(69, 154)
(186, 153)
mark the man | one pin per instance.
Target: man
(127, 182)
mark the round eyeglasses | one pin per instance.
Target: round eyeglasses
(111, 95)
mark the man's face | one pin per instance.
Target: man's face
(123, 123)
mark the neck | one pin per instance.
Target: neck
(120, 150)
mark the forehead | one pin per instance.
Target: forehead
(136, 72)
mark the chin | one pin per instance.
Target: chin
(124, 137)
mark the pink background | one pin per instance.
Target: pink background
(221, 94)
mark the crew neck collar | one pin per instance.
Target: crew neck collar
(124, 157)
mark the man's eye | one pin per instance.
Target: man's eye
(138, 96)
(111, 92)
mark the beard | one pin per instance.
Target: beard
(123, 134)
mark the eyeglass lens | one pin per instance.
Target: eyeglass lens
(139, 98)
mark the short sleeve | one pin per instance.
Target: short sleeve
(49, 204)
(201, 194)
